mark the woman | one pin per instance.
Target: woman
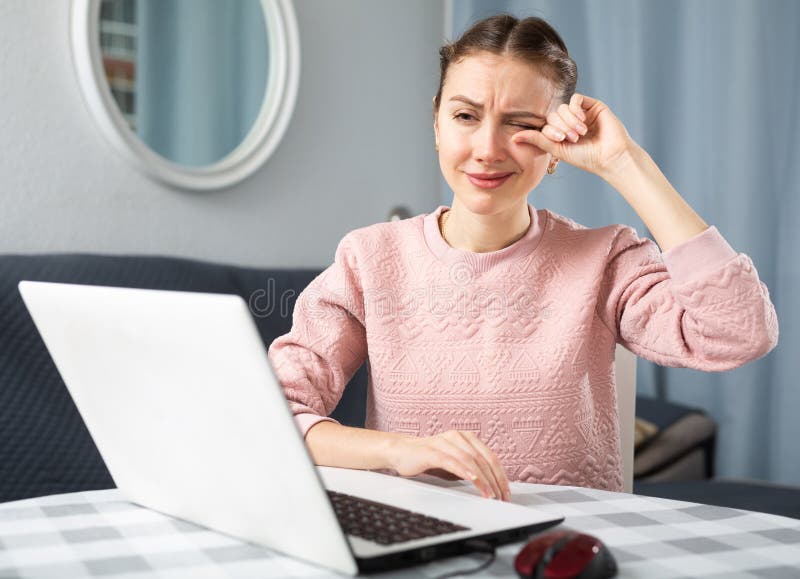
(490, 326)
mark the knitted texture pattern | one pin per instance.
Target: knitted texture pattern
(517, 345)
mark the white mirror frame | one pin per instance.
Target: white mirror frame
(268, 128)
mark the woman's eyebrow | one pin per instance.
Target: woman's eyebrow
(508, 115)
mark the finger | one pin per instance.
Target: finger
(576, 106)
(466, 456)
(437, 459)
(458, 439)
(559, 121)
(584, 101)
(555, 121)
(441, 458)
(537, 139)
(590, 106)
(572, 120)
(553, 133)
(492, 460)
(484, 460)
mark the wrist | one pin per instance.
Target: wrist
(394, 448)
(632, 158)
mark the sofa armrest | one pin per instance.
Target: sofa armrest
(683, 446)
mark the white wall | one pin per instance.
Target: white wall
(360, 142)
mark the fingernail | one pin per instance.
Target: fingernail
(471, 476)
(573, 136)
(581, 115)
(581, 128)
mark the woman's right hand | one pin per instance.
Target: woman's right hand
(455, 453)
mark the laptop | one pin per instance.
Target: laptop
(178, 394)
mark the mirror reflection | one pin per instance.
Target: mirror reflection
(189, 76)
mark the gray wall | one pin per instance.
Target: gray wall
(360, 141)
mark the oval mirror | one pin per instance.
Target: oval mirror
(197, 93)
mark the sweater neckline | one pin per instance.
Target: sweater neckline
(480, 261)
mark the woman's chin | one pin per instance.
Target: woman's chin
(486, 202)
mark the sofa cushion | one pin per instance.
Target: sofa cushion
(44, 445)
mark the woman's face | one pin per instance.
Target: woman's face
(485, 100)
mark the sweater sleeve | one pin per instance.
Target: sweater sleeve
(699, 305)
(327, 342)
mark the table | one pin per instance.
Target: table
(100, 534)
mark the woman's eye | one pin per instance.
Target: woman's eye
(464, 117)
(525, 127)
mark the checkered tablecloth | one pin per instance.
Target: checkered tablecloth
(100, 534)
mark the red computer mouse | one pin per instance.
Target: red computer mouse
(564, 555)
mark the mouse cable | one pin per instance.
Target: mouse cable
(480, 547)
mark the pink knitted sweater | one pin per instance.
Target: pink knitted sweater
(517, 345)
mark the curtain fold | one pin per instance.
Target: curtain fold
(202, 69)
(710, 89)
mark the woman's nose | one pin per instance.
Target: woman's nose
(489, 145)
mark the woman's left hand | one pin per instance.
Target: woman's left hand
(584, 133)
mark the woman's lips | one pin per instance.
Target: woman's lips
(488, 180)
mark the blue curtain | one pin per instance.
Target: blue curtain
(201, 74)
(710, 89)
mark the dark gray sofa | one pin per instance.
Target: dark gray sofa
(44, 445)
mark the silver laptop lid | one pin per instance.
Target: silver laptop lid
(166, 383)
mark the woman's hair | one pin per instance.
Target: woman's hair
(530, 39)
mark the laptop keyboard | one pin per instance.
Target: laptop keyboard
(385, 524)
